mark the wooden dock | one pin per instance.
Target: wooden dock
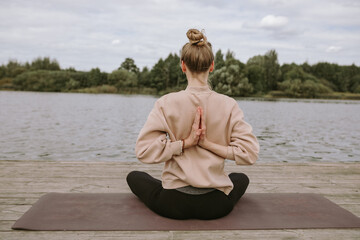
(23, 182)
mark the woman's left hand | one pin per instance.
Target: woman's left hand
(193, 138)
(202, 139)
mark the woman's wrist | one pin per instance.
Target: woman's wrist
(204, 143)
(187, 143)
(218, 149)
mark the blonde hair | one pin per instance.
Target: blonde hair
(197, 54)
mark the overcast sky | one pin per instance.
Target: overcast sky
(86, 33)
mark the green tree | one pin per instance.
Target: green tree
(355, 84)
(231, 78)
(49, 81)
(129, 65)
(229, 55)
(231, 81)
(44, 64)
(264, 71)
(231, 60)
(2, 71)
(286, 68)
(272, 69)
(96, 77)
(175, 78)
(219, 60)
(144, 78)
(306, 67)
(14, 68)
(256, 73)
(256, 76)
(159, 76)
(333, 73)
(298, 83)
(123, 79)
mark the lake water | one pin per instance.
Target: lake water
(104, 127)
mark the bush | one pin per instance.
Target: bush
(6, 83)
(308, 88)
(98, 89)
(229, 80)
(50, 81)
(123, 79)
(355, 84)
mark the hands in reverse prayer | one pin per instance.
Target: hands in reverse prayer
(197, 130)
(198, 136)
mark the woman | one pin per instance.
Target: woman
(193, 131)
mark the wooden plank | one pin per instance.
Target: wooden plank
(88, 235)
(269, 234)
(12, 212)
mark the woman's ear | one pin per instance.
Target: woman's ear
(212, 66)
(183, 66)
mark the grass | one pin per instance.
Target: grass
(113, 89)
(97, 89)
(332, 95)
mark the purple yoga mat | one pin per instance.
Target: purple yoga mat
(112, 211)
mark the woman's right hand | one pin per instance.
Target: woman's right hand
(208, 145)
(203, 141)
(193, 138)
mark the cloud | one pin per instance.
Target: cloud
(333, 49)
(273, 22)
(116, 41)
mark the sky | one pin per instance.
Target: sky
(85, 34)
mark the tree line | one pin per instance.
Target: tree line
(261, 75)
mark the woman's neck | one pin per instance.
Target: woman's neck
(198, 79)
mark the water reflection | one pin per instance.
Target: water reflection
(75, 127)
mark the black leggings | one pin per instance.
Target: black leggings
(172, 203)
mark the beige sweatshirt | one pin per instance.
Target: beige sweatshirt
(170, 121)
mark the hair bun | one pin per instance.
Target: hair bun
(196, 37)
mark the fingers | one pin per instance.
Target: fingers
(199, 125)
(202, 126)
(201, 116)
(198, 128)
(197, 118)
(202, 119)
(203, 132)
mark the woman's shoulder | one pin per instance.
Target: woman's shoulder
(224, 98)
(171, 97)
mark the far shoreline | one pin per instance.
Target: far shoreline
(271, 96)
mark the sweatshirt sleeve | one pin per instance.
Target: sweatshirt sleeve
(153, 145)
(244, 147)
